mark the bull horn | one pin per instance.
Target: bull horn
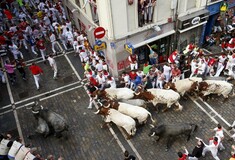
(152, 126)
(29, 107)
(100, 103)
(97, 112)
(153, 134)
(36, 103)
(139, 87)
(168, 87)
(35, 112)
(107, 106)
(137, 93)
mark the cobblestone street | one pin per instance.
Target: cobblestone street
(85, 138)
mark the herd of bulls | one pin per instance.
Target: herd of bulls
(122, 105)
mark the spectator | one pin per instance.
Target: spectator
(197, 151)
(133, 61)
(10, 71)
(20, 67)
(152, 56)
(183, 156)
(176, 73)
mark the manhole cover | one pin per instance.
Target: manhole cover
(68, 79)
(23, 95)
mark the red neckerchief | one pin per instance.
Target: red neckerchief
(215, 143)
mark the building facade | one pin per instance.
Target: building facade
(130, 25)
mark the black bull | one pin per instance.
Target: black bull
(55, 122)
(173, 130)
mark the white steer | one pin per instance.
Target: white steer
(120, 119)
(135, 102)
(117, 93)
(215, 87)
(184, 85)
(164, 96)
(139, 113)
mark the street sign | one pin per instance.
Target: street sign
(99, 32)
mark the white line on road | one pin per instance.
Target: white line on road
(216, 113)
(4, 107)
(110, 128)
(208, 114)
(42, 94)
(53, 95)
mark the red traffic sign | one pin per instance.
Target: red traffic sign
(99, 32)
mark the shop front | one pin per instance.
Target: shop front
(161, 46)
(191, 27)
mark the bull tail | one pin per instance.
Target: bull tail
(233, 92)
(150, 115)
(133, 131)
(180, 107)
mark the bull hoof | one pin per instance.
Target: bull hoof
(29, 137)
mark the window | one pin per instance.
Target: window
(145, 11)
(191, 4)
(94, 11)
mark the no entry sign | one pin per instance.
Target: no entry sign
(99, 32)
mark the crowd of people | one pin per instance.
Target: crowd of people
(26, 30)
(15, 149)
(214, 145)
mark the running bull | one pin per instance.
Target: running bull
(49, 121)
(172, 130)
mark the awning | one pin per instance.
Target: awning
(195, 14)
(187, 29)
(153, 39)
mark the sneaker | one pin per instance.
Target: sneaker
(24, 79)
(55, 78)
(89, 107)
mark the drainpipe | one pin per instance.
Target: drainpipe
(176, 26)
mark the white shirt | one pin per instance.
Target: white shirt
(101, 80)
(112, 82)
(51, 61)
(222, 59)
(69, 25)
(219, 132)
(52, 38)
(99, 67)
(166, 70)
(69, 35)
(193, 66)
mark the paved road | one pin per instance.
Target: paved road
(86, 139)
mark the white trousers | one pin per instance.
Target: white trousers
(43, 53)
(192, 158)
(55, 70)
(214, 153)
(219, 69)
(53, 46)
(36, 79)
(134, 66)
(33, 50)
(159, 84)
